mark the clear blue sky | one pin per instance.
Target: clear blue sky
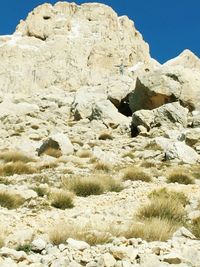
(169, 26)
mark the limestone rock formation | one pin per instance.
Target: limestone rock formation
(169, 115)
(56, 44)
(165, 85)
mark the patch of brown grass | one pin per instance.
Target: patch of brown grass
(166, 209)
(86, 186)
(10, 200)
(62, 200)
(135, 174)
(102, 166)
(180, 176)
(105, 136)
(60, 233)
(18, 167)
(15, 156)
(155, 229)
(195, 227)
(48, 165)
(153, 146)
(84, 153)
(169, 194)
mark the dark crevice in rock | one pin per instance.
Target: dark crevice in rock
(134, 131)
(46, 17)
(124, 108)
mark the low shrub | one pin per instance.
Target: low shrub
(60, 233)
(180, 177)
(135, 174)
(169, 194)
(10, 201)
(154, 229)
(16, 168)
(166, 209)
(195, 227)
(62, 200)
(86, 186)
(102, 166)
(15, 156)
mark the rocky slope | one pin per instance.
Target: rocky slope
(81, 97)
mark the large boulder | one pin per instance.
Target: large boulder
(177, 150)
(68, 46)
(171, 115)
(164, 85)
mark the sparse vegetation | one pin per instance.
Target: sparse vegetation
(62, 200)
(84, 153)
(135, 174)
(41, 191)
(86, 186)
(15, 156)
(169, 194)
(26, 248)
(102, 166)
(148, 164)
(56, 153)
(105, 136)
(195, 227)
(166, 209)
(178, 176)
(49, 165)
(16, 168)
(89, 234)
(155, 229)
(10, 200)
(153, 146)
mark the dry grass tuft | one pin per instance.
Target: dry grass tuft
(155, 229)
(49, 165)
(169, 194)
(102, 166)
(84, 153)
(60, 233)
(15, 156)
(166, 209)
(135, 174)
(86, 186)
(196, 171)
(179, 176)
(56, 153)
(10, 201)
(195, 227)
(41, 191)
(105, 136)
(16, 168)
(153, 146)
(62, 200)
(148, 164)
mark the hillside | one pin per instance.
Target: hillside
(100, 144)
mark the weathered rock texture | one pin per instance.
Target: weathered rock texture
(56, 44)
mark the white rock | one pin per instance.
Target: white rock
(38, 244)
(79, 245)
(64, 143)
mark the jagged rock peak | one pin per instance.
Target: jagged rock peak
(186, 59)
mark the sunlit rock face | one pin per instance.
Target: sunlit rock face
(68, 46)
